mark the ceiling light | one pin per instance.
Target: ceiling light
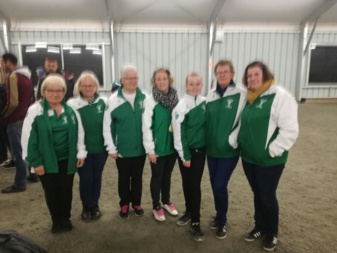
(67, 46)
(99, 52)
(92, 47)
(55, 50)
(75, 50)
(30, 49)
(41, 44)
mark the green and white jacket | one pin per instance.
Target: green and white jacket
(157, 129)
(269, 128)
(37, 139)
(222, 118)
(188, 122)
(92, 121)
(122, 126)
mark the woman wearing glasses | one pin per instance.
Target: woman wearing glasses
(91, 108)
(53, 145)
(223, 108)
(122, 129)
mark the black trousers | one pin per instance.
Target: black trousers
(191, 178)
(130, 179)
(161, 179)
(58, 191)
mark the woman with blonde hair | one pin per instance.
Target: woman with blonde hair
(158, 140)
(91, 107)
(53, 145)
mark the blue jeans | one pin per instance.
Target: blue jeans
(264, 181)
(91, 179)
(14, 131)
(220, 171)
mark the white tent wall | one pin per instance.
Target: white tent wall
(182, 52)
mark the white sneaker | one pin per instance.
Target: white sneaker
(170, 209)
(159, 214)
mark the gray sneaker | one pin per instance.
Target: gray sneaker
(198, 235)
(221, 232)
(184, 220)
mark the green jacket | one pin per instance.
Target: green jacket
(37, 139)
(157, 129)
(122, 126)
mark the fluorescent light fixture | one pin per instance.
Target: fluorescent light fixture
(75, 50)
(92, 47)
(67, 46)
(99, 51)
(41, 44)
(55, 50)
(30, 49)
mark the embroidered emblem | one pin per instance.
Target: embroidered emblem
(229, 103)
(141, 106)
(203, 108)
(73, 119)
(99, 108)
(262, 101)
(65, 121)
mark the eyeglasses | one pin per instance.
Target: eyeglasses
(90, 86)
(223, 73)
(55, 91)
(131, 78)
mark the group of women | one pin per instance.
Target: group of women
(259, 123)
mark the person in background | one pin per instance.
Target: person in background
(158, 140)
(122, 131)
(19, 88)
(53, 145)
(91, 108)
(188, 122)
(223, 109)
(51, 67)
(269, 128)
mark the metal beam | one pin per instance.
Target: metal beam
(300, 80)
(310, 37)
(112, 48)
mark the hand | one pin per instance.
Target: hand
(114, 155)
(187, 164)
(39, 170)
(80, 163)
(152, 158)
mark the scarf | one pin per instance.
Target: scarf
(169, 100)
(91, 101)
(253, 95)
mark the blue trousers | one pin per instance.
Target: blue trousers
(91, 179)
(264, 181)
(14, 131)
(220, 171)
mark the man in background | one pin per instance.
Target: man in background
(19, 88)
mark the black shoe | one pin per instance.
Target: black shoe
(252, 235)
(8, 164)
(124, 212)
(221, 232)
(86, 214)
(139, 211)
(12, 189)
(95, 213)
(56, 228)
(213, 224)
(198, 235)
(184, 220)
(269, 243)
(66, 225)
(33, 178)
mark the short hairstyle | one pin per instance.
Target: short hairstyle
(53, 79)
(193, 74)
(85, 74)
(10, 57)
(153, 78)
(50, 59)
(266, 74)
(224, 63)
(126, 69)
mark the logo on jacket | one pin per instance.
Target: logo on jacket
(229, 103)
(65, 121)
(262, 101)
(203, 108)
(141, 105)
(99, 109)
(73, 119)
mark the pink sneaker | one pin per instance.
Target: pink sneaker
(138, 210)
(170, 209)
(124, 212)
(158, 214)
